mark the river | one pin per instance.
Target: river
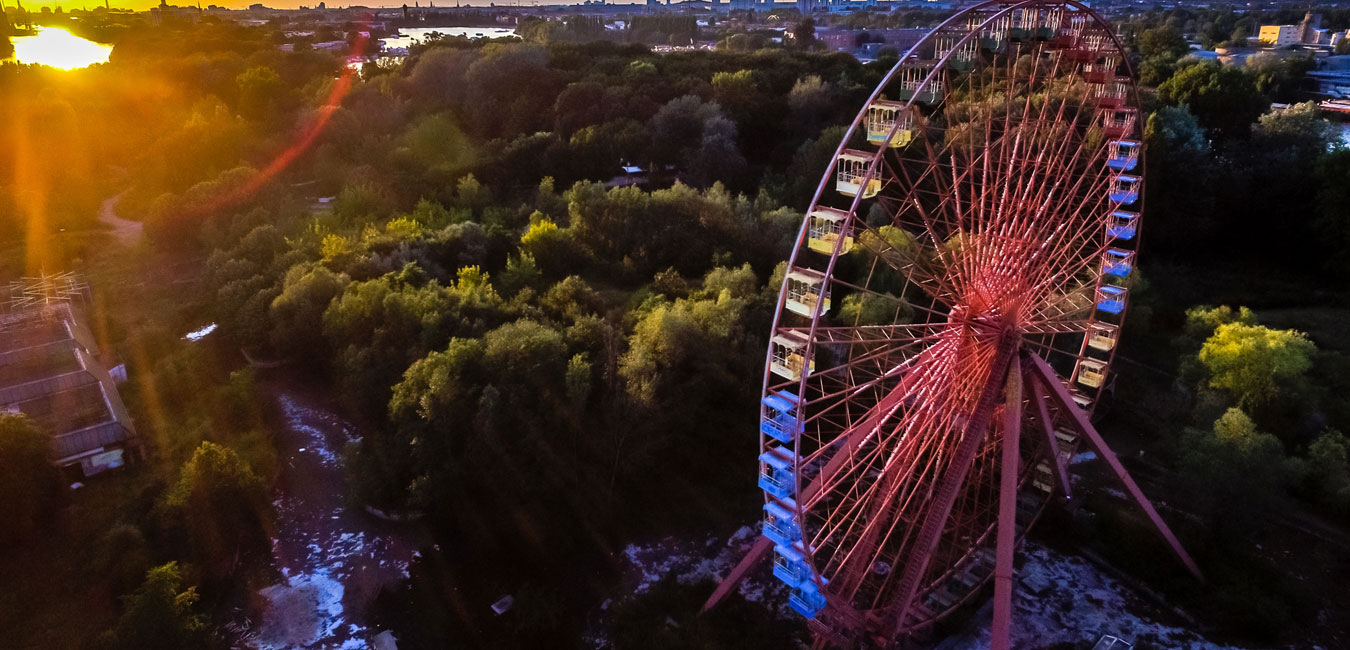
(409, 35)
(58, 48)
(333, 556)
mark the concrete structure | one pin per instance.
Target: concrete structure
(1308, 32)
(1281, 35)
(50, 371)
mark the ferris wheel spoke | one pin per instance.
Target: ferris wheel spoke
(990, 222)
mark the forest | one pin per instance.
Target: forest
(549, 360)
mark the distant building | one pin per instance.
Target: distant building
(1281, 35)
(50, 371)
(1307, 32)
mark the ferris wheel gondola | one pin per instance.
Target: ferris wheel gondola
(948, 320)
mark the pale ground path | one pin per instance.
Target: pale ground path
(124, 230)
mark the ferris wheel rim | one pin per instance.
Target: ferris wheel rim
(970, 32)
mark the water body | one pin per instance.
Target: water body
(409, 35)
(58, 48)
(333, 557)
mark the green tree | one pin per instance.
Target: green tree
(297, 313)
(160, 615)
(1254, 363)
(1332, 223)
(549, 245)
(1299, 132)
(1202, 320)
(1163, 40)
(811, 101)
(32, 487)
(222, 508)
(1223, 98)
(1329, 468)
(578, 381)
(1234, 472)
(260, 91)
(1275, 76)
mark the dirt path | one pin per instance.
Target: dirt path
(334, 557)
(125, 231)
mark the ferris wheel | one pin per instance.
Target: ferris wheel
(948, 320)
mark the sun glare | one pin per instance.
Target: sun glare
(59, 48)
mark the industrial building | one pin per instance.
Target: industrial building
(51, 372)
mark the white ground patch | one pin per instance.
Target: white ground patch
(691, 562)
(1059, 599)
(1066, 599)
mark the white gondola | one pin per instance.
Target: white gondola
(852, 169)
(1044, 479)
(912, 76)
(804, 292)
(824, 228)
(1101, 70)
(1091, 372)
(789, 356)
(1118, 122)
(962, 54)
(883, 117)
(1083, 401)
(1102, 336)
(1110, 93)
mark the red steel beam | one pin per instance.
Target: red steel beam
(1055, 388)
(1007, 510)
(930, 533)
(762, 545)
(1048, 427)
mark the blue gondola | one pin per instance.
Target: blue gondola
(780, 419)
(1111, 299)
(1122, 225)
(775, 475)
(780, 525)
(1125, 189)
(807, 600)
(789, 565)
(1124, 155)
(1117, 262)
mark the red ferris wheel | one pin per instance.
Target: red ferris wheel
(948, 319)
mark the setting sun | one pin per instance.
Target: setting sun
(59, 48)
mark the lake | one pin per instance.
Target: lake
(58, 48)
(408, 35)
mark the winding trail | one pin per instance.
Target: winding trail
(334, 557)
(124, 230)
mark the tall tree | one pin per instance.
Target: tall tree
(31, 486)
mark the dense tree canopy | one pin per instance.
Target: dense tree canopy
(31, 485)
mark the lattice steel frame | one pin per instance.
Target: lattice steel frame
(988, 226)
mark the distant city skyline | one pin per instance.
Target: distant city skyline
(142, 5)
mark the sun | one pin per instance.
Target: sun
(58, 48)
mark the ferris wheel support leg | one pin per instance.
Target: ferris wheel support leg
(1048, 427)
(1051, 384)
(762, 546)
(1007, 510)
